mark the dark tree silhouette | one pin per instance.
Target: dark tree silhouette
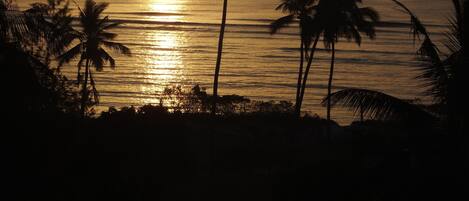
(219, 56)
(300, 9)
(93, 39)
(378, 105)
(343, 19)
(443, 74)
(441, 77)
(37, 89)
(54, 22)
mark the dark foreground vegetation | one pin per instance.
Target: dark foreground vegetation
(150, 154)
(184, 149)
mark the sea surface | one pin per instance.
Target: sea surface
(174, 42)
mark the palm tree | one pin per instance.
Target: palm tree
(314, 29)
(442, 78)
(54, 22)
(300, 9)
(219, 55)
(44, 24)
(93, 40)
(343, 19)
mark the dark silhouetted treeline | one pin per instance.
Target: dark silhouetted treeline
(149, 153)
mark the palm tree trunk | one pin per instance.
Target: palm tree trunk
(329, 85)
(220, 51)
(329, 90)
(308, 67)
(300, 76)
(84, 95)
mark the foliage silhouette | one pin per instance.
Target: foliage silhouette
(54, 23)
(441, 78)
(300, 9)
(16, 27)
(38, 90)
(442, 74)
(343, 19)
(196, 100)
(379, 106)
(94, 37)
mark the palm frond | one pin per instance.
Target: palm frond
(288, 6)
(377, 105)
(61, 39)
(106, 57)
(15, 26)
(355, 35)
(118, 47)
(434, 72)
(70, 54)
(453, 37)
(367, 20)
(281, 23)
(429, 52)
(98, 8)
(107, 35)
(97, 61)
(417, 25)
(370, 14)
(106, 24)
(458, 12)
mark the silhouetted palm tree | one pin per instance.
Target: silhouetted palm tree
(444, 74)
(93, 39)
(42, 24)
(442, 78)
(219, 55)
(300, 9)
(343, 19)
(53, 21)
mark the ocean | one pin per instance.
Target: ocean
(174, 42)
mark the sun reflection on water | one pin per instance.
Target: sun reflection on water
(164, 63)
(170, 10)
(163, 60)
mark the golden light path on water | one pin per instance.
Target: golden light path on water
(167, 7)
(163, 63)
(164, 59)
(164, 6)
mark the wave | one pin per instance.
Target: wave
(261, 22)
(379, 24)
(256, 29)
(354, 51)
(148, 13)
